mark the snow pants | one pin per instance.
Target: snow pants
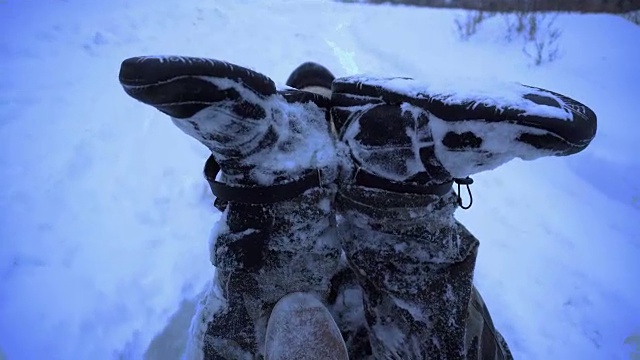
(396, 273)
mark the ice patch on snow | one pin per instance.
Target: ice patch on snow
(345, 57)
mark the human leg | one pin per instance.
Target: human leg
(408, 143)
(278, 164)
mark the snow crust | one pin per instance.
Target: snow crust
(105, 213)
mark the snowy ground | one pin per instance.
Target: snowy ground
(104, 215)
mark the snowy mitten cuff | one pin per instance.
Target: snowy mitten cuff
(258, 135)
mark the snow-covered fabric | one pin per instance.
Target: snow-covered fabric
(412, 259)
(415, 269)
(404, 129)
(259, 136)
(262, 253)
(415, 265)
(409, 293)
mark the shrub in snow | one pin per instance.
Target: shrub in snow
(538, 32)
(633, 16)
(541, 42)
(516, 24)
(468, 24)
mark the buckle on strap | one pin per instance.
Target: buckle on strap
(257, 194)
(464, 182)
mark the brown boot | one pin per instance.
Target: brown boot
(301, 328)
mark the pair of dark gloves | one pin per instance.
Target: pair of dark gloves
(384, 144)
(397, 134)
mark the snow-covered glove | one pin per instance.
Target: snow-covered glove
(404, 130)
(257, 134)
(408, 142)
(278, 165)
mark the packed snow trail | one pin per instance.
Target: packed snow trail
(105, 214)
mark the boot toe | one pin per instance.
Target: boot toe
(548, 121)
(181, 86)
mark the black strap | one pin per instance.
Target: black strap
(257, 194)
(310, 179)
(364, 178)
(367, 179)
